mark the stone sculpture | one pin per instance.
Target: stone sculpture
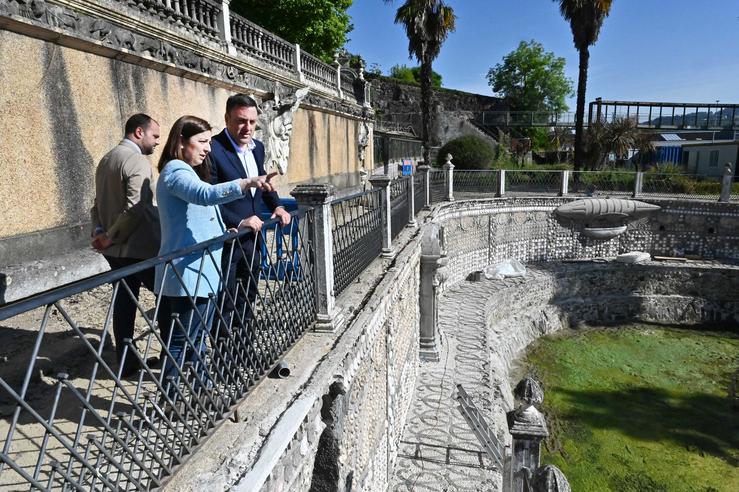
(605, 218)
(276, 122)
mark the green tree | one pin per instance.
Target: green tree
(532, 79)
(586, 18)
(427, 24)
(412, 75)
(318, 26)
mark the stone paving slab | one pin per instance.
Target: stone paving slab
(439, 450)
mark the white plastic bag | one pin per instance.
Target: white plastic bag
(505, 269)
(634, 257)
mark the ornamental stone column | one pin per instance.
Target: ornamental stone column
(319, 197)
(425, 170)
(527, 427)
(449, 175)
(726, 181)
(431, 261)
(382, 181)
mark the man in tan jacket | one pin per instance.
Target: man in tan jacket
(126, 224)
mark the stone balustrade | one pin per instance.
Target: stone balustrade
(200, 16)
(251, 40)
(317, 72)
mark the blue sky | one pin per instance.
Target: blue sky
(648, 50)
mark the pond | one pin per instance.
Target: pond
(641, 408)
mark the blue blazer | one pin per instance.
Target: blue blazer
(188, 215)
(226, 166)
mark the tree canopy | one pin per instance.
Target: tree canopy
(532, 79)
(320, 27)
(412, 75)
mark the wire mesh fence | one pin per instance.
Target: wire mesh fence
(76, 415)
(601, 183)
(477, 182)
(419, 193)
(437, 184)
(399, 204)
(532, 182)
(357, 235)
(686, 186)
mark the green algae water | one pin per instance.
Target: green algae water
(641, 408)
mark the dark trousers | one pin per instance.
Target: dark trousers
(188, 342)
(124, 308)
(241, 272)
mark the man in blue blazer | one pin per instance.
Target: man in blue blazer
(236, 154)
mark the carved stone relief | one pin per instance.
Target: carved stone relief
(276, 123)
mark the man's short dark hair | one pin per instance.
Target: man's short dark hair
(239, 100)
(139, 120)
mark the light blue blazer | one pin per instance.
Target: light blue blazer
(188, 214)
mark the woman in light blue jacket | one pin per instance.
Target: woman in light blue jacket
(189, 214)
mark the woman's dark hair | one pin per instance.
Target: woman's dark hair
(182, 130)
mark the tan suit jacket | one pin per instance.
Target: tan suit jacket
(124, 203)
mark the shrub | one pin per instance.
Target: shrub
(468, 152)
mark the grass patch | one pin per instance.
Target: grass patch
(640, 408)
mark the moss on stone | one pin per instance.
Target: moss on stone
(640, 408)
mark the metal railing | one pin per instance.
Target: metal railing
(419, 193)
(437, 184)
(356, 235)
(399, 203)
(479, 182)
(73, 419)
(533, 182)
(593, 183)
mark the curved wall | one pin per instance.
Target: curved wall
(482, 232)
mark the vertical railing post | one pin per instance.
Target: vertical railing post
(224, 27)
(565, 184)
(449, 178)
(298, 66)
(638, 184)
(431, 260)
(500, 183)
(425, 170)
(382, 182)
(412, 200)
(726, 181)
(319, 197)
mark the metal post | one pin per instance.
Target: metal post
(319, 196)
(382, 181)
(638, 183)
(449, 175)
(500, 191)
(423, 168)
(565, 184)
(726, 181)
(298, 66)
(224, 27)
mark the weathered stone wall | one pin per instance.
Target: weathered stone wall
(336, 423)
(67, 95)
(452, 110)
(482, 232)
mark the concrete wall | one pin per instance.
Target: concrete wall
(63, 108)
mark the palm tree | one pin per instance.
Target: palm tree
(585, 18)
(427, 24)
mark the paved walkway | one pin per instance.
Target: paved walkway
(438, 450)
